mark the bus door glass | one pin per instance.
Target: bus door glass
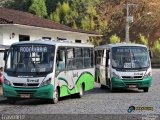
(107, 67)
(60, 60)
(72, 73)
(61, 72)
(101, 63)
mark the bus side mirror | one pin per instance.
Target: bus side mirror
(5, 54)
(150, 54)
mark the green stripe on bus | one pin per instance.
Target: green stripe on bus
(86, 78)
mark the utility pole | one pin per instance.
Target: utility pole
(127, 24)
(128, 20)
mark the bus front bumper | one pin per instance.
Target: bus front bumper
(45, 92)
(119, 83)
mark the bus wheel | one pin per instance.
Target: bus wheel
(146, 89)
(56, 97)
(81, 92)
(11, 100)
(103, 86)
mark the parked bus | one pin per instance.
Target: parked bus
(123, 65)
(47, 70)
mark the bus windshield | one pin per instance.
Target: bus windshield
(30, 58)
(130, 57)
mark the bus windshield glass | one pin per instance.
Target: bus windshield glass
(30, 58)
(130, 57)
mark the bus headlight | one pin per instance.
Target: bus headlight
(115, 75)
(7, 82)
(45, 83)
(147, 75)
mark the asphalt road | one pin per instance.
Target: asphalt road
(96, 101)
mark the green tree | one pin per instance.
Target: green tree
(114, 39)
(156, 47)
(38, 8)
(91, 11)
(85, 23)
(143, 39)
(51, 6)
(92, 24)
(22, 5)
(79, 14)
(56, 16)
(96, 41)
(74, 25)
(65, 14)
(101, 25)
(74, 15)
(66, 8)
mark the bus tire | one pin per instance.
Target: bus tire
(56, 98)
(81, 92)
(103, 87)
(146, 89)
(11, 100)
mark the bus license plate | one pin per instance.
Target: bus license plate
(25, 95)
(132, 86)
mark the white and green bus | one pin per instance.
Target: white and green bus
(47, 70)
(123, 65)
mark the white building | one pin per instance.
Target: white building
(18, 26)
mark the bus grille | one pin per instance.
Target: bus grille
(31, 92)
(26, 84)
(132, 77)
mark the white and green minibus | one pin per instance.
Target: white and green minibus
(123, 65)
(46, 69)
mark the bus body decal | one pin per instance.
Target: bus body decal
(85, 77)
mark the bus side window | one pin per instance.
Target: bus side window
(92, 57)
(87, 57)
(61, 59)
(78, 57)
(95, 56)
(99, 59)
(70, 59)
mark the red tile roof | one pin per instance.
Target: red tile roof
(10, 16)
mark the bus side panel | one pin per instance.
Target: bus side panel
(65, 91)
(65, 82)
(68, 85)
(87, 79)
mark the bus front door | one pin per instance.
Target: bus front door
(107, 68)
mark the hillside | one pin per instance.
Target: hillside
(104, 16)
(148, 25)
